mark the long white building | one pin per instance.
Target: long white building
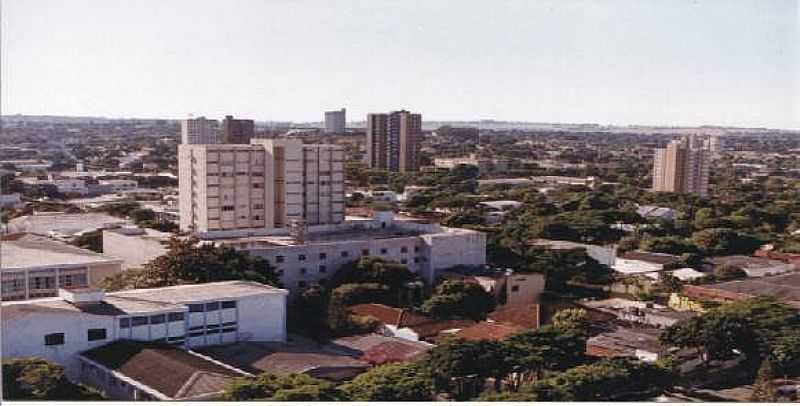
(60, 329)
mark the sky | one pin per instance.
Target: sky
(676, 62)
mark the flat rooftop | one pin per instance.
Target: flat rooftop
(785, 287)
(26, 251)
(44, 223)
(140, 301)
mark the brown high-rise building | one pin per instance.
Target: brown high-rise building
(681, 167)
(393, 141)
(236, 131)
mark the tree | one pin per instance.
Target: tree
(339, 319)
(38, 379)
(572, 319)
(186, 262)
(763, 387)
(392, 382)
(463, 217)
(547, 348)
(292, 387)
(727, 272)
(605, 380)
(724, 241)
(463, 360)
(142, 215)
(92, 240)
(459, 299)
(310, 312)
(668, 245)
(374, 270)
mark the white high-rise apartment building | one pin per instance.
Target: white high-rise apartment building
(335, 121)
(199, 131)
(682, 167)
(259, 186)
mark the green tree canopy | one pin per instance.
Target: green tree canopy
(392, 382)
(38, 379)
(458, 299)
(292, 387)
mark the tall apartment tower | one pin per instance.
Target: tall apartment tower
(199, 131)
(335, 121)
(393, 141)
(681, 167)
(260, 186)
(237, 131)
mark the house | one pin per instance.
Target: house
(295, 356)
(407, 324)
(378, 349)
(62, 225)
(754, 266)
(657, 213)
(644, 313)
(784, 287)
(606, 255)
(496, 210)
(641, 262)
(525, 316)
(507, 286)
(135, 370)
(641, 343)
(487, 330)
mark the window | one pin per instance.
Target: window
(175, 338)
(303, 271)
(258, 206)
(258, 185)
(95, 334)
(124, 323)
(256, 174)
(175, 317)
(54, 339)
(195, 308)
(416, 260)
(301, 257)
(323, 269)
(364, 252)
(196, 334)
(139, 321)
(323, 255)
(229, 304)
(403, 249)
(302, 284)
(345, 254)
(228, 208)
(279, 259)
(229, 330)
(279, 272)
(241, 173)
(403, 261)
(515, 288)
(211, 306)
(416, 248)
(157, 319)
(229, 323)
(384, 250)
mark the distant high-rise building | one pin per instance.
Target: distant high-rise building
(264, 185)
(335, 121)
(237, 131)
(393, 141)
(681, 167)
(199, 131)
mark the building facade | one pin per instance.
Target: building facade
(681, 167)
(264, 185)
(189, 316)
(335, 121)
(237, 131)
(393, 141)
(199, 131)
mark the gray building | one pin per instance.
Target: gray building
(335, 121)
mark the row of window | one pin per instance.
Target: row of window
(92, 334)
(145, 320)
(212, 306)
(279, 259)
(225, 174)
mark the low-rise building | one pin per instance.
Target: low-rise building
(606, 255)
(644, 313)
(657, 213)
(120, 185)
(62, 225)
(754, 266)
(642, 343)
(135, 246)
(34, 266)
(785, 287)
(588, 181)
(59, 329)
(642, 262)
(146, 371)
(406, 324)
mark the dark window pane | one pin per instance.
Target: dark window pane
(211, 306)
(139, 321)
(124, 323)
(95, 334)
(54, 339)
(195, 308)
(229, 304)
(175, 317)
(157, 319)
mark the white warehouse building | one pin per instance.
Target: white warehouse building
(189, 316)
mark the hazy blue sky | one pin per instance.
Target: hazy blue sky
(678, 62)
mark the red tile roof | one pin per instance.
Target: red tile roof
(488, 331)
(525, 316)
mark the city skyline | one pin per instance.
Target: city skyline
(622, 63)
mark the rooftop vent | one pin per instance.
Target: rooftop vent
(79, 296)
